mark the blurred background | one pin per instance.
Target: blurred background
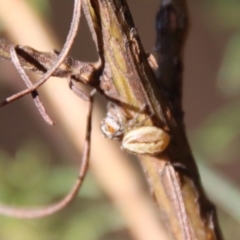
(38, 163)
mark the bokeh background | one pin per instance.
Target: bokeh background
(38, 163)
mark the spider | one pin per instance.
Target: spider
(135, 137)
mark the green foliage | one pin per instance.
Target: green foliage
(222, 14)
(218, 136)
(217, 140)
(229, 73)
(31, 178)
(42, 6)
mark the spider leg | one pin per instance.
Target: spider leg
(26, 213)
(76, 90)
(134, 121)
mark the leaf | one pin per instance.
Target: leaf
(42, 6)
(218, 132)
(229, 74)
(222, 15)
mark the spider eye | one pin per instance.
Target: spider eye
(111, 128)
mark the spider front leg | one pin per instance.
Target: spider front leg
(77, 91)
(26, 213)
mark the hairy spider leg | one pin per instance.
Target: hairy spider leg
(76, 90)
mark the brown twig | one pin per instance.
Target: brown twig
(127, 76)
(39, 62)
(124, 181)
(27, 213)
(172, 26)
(191, 215)
(28, 83)
(64, 52)
(49, 210)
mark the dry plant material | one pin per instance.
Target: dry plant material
(144, 110)
(29, 84)
(49, 210)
